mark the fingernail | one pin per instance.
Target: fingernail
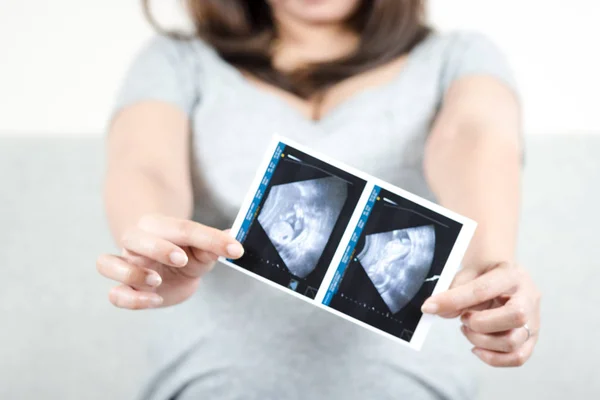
(463, 329)
(476, 351)
(178, 258)
(153, 280)
(235, 250)
(156, 301)
(430, 308)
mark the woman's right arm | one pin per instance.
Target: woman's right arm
(149, 200)
(147, 165)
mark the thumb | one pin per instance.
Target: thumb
(462, 277)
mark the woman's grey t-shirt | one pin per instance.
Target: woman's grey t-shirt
(238, 338)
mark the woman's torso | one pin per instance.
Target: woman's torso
(240, 339)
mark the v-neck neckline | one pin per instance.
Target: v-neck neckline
(335, 112)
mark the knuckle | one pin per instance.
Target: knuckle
(123, 303)
(136, 304)
(150, 246)
(497, 361)
(507, 265)
(475, 325)
(480, 290)
(494, 362)
(519, 316)
(205, 237)
(511, 344)
(126, 301)
(129, 276)
(204, 257)
(472, 335)
(213, 241)
(522, 275)
(519, 359)
(517, 274)
(183, 229)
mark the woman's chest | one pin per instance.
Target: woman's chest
(379, 132)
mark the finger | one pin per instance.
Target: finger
(138, 260)
(512, 315)
(204, 263)
(153, 247)
(505, 342)
(117, 269)
(450, 315)
(463, 276)
(193, 234)
(204, 257)
(484, 288)
(513, 359)
(123, 296)
(483, 306)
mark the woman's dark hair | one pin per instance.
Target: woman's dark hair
(242, 32)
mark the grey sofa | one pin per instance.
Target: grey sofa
(60, 338)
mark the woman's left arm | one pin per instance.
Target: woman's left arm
(473, 165)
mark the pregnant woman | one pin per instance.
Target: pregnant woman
(366, 82)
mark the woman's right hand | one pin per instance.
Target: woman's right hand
(163, 260)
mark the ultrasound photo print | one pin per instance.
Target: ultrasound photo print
(299, 221)
(397, 260)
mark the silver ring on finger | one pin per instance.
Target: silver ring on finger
(526, 327)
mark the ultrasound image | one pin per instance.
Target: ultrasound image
(299, 221)
(299, 218)
(398, 263)
(398, 259)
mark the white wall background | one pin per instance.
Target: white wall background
(61, 61)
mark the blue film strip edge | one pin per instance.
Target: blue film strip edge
(262, 188)
(339, 273)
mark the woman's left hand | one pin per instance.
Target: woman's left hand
(499, 309)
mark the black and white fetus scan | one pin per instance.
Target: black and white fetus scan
(300, 215)
(396, 261)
